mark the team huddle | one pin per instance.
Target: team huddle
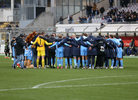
(82, 50)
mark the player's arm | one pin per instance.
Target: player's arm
(53, 45)
(89, 43)
(82, 43)
(95, 45)
(74, 44)
(22, 43)
(67, 45)
(35, 41)
(29, 47)
(109, 45)
(58, 40)
(62, 42)
(46, 39)
(48, 43)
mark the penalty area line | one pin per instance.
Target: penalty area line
(61, 81)
(70, 86)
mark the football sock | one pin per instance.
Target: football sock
(112, 62)
(61, 62)
(6, 54)
(83, 63)
(43, 62)
(86, 62)
(54, 60)
(89, 57)
(70, 60)
(117, 61)
(66, 61)
(93, 60)
(75, 62)
(37, 62)
(51, 61)
(105, 64)
(108, 63)
(79, 63)
(121, 62)
(57, 62)
(9, 54)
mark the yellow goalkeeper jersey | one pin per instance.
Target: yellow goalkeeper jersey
(41, 42)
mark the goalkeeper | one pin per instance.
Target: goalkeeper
(41, 48)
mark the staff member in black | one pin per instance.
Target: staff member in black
(19, 51)
(100, 45)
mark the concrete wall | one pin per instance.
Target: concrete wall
(104, 3)
(4, 13)
(46, 19)
(24, 23)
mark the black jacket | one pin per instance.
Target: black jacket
(102, 10)
(19, 46)
(12, 41)
(101, 45)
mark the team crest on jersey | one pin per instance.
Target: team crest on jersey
(91, 40)
(100, 41)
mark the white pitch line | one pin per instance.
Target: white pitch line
(91, 85)
(37, 86)
(106, 84)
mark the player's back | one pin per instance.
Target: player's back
(40, 42)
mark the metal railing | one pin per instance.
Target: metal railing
(96, 21)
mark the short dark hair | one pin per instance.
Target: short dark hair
(111, 36)
(85, 34)
(21, 35)
(115, 36)
(107, 36)
(38, 33)
(54, 34)
(42, 33)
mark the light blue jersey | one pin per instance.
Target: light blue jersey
(118, 49)
(83, 49)
(26, 53)
(30, 53)
(59, 50)
(13, 50)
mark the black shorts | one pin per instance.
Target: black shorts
(51, 53)
(7, 50)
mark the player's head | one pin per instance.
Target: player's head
(54, 34)
(47, 35)
(73, 36)
(59, 35)
(42, 33)
(13, 38)
(84, 34)
(106, 37)
(115, 36)
(21, 36)
(101, 36)
(38, 34)
(111, 36)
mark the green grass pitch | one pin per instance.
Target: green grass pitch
(69, 84)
